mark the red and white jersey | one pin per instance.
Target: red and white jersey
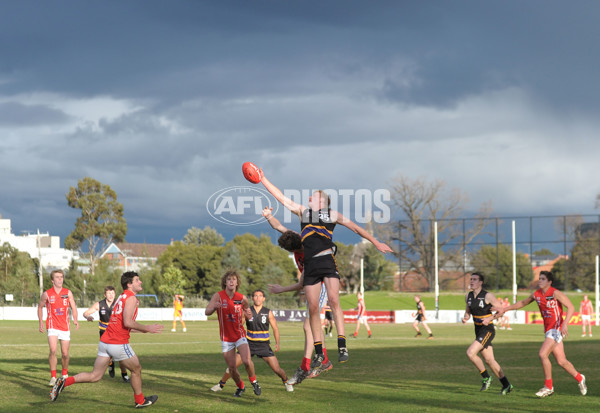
(57, 308)
(586, 307)
(361, 307)
(231, 317)
(116, 332)
(550, 307)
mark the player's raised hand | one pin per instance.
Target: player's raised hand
(266, 212)
(275, 288)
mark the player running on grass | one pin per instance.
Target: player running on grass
(550, 302)
(115, 344)
(104, 309)
(291, 242)
(479, 304)
(259, 340)
(231, 307)
(318, 221)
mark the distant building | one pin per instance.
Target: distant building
(133, 256)
(541, 263)
(42, 246)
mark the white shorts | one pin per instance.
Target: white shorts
(361, 319)
(118, 352)
(62, 335)
(585, 317)
(555, 335)
(230, 345)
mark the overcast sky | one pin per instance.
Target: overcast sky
(164, 101)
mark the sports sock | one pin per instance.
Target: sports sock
(578, 377)
(504, 381)
(325, 359)
(69, 381)
(341, 341)
(53, 373)
(305, 364)
(369, 331)
(318, 348)
(139, 398)
(240, 385)
(484, 374)
(548, 384)
(252, 379)
(65, 372)
(222, 383)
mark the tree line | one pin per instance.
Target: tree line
(194, 265)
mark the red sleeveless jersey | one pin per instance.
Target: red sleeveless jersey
(57, 308)
(551, 309)
(231, 317)
(586, 307)
(116, 332)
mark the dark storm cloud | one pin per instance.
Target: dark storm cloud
(340, 93)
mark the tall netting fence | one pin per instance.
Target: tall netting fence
(498, 247)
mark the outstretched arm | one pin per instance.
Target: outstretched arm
(340, 219)
(491, 299)
(278, 289)
(515, 306)
(285, 201)
(274, 222)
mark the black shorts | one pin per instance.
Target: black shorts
(328, 315)
(260, 349)
(419, 318)
(318, 268)
(484, 335)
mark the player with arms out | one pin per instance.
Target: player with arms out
(318, 221)
(178, 312)
(479, 305)
(104, 309)
(232, 307)
(259, 340)
(115, 344)
(550, 302)
(292, 242)
(57, 301)
(421, 318)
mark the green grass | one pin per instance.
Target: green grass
(392, 372)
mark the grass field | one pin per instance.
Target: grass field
(392, 372)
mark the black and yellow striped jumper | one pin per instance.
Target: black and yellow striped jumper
(481, 310)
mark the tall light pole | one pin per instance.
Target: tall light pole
(40, 272)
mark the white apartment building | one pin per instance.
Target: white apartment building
(42, 246)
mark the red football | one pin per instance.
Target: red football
(251, 172)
